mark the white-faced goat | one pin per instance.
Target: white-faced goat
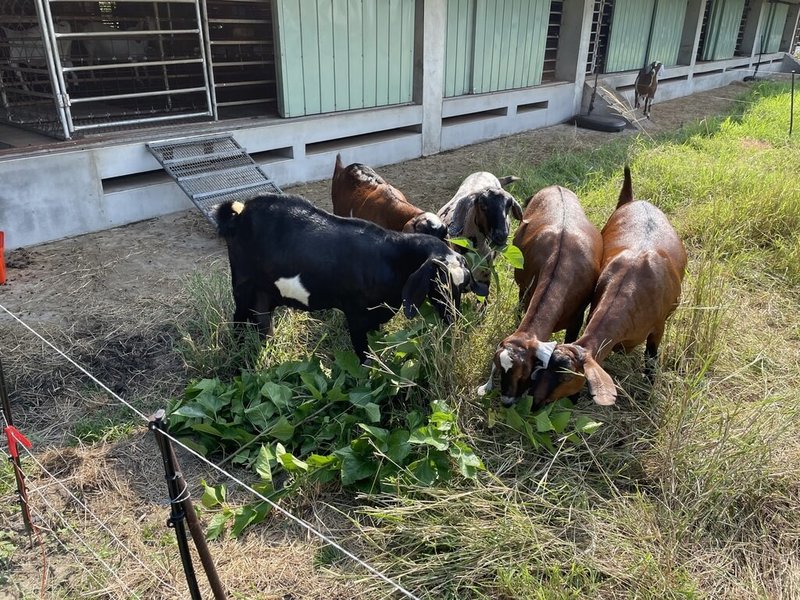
(639, 286)
(479, 212)
(358, 191)
(562, 252)
(285, 252)
(646, 86)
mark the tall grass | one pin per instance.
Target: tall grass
(690, 489)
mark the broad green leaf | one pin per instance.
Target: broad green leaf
(513, 255)
(206, 428)
(428, 437)
(279, 394)
(355, 467)
(373, 412)
(463, 242)
(542, 420)
(424, 470)
(203, 385)
(523, 406)
(560, 420)
(468, 462)
(191, 411)
(244, 517)
(586, 425)
(217, 525)
(349, 363)
(414, 420)
(290, 462)
(264, 463)
(410, 370)
(319, 461)
(213, 495)
(282, 430)
(398, 447)
(379, 434)
(360, 397)
(259, 414)
(513, 420)
(210, 402)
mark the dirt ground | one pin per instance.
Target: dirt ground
(110, 300)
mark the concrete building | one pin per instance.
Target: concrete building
(296, 81)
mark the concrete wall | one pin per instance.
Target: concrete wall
(76, 187)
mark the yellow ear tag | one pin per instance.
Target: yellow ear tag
(237, 207)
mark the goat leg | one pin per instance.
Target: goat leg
(651, 354)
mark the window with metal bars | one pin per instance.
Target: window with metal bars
(704, 30)
(740, 38)
(601, 25)
(551, 47)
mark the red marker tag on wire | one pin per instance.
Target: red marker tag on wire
(14, 437)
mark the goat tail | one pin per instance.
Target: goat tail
(626, 193)
(227, 217)
(339, 167)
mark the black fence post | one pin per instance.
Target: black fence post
(187, 508)
(13, 437)
(177, 513)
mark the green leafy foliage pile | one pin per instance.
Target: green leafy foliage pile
(306, 420)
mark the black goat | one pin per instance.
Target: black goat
(285, 252)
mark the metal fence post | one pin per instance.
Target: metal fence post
(177, 513)
(184, 501)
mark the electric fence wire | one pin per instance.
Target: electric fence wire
(307, 526)
(98, 520)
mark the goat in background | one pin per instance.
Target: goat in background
(646, 86)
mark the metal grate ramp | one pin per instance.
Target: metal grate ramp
(212, 170)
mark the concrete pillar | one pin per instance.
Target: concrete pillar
(573, 44)
(429, 45)
(690, 38)
(792, 20)
(753, 28)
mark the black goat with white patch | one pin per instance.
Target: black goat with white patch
(285, 252)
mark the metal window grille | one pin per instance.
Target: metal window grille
(740, 38)
(601, 25)
(69, 67)
(704, 30)
(551, 47)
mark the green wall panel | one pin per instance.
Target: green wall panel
(776, 21)
(630, 28)
(494, 45)
(343, 54)
(722, 29)
(460, 38)
(667, 30)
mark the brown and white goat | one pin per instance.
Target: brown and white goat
(562, 252)
(646, 86)
(639, 286)
(358, 191)
(479, 212)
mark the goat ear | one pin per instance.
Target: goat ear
(462, 208)
(516, 210)
(601, 386)
(417, 287)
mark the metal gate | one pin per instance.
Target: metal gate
(70, 66)
(158, 55)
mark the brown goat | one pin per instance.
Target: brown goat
(358, 191)
(646, 86)
(562, 252)
(639, 286)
